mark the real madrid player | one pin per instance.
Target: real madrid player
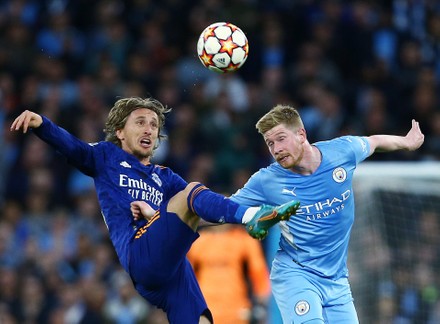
(309, 273)
(151, 249)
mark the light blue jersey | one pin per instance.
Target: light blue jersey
(309, 273)
(317, 237)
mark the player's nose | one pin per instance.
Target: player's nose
(277, 149)
(147, 129)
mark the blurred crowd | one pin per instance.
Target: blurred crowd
(350, 67)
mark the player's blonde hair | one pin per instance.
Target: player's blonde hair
(122, 108)
(280, 114)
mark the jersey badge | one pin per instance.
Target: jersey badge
(339, 175)
(302, 307)
(156, 179)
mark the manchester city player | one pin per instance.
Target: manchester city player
(152, 249)
(309, 273)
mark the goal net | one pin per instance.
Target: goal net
(394, 257)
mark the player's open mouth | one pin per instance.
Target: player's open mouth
(145, 142)
(282, 159)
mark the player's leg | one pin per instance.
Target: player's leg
(172, 230)
(160, 271)
(180, 297)
(297, 298)
(338, 301)
(198, 200)
(344, 314)
(178, 205)
(159, 248)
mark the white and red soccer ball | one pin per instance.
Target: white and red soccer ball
(222, 47)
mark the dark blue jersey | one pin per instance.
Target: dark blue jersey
(119, 179)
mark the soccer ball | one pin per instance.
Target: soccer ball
(223, 47)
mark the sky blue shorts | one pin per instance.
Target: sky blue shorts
(304, 297)
(161, 272)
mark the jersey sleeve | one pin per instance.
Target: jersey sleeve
(360, 147)
(77, 152)
(173, 181)
(252, 193)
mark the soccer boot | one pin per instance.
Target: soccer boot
(268, 216)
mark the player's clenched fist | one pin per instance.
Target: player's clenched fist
(140, 209)
(26, 120)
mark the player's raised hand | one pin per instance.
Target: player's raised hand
(140, 209)
(27, 119)
(415, 137)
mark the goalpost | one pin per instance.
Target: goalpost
(394, 256)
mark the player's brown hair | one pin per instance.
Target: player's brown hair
(122, 108)
(280, 114)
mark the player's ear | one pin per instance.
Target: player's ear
(302, 133)
(120, 134)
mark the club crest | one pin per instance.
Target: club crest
(302, 307)
(339, 175)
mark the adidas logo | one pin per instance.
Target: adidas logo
(125, 164)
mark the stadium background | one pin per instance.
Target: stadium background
(358, 67)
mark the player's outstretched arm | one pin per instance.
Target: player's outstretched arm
(78, 153)
(386, 143)
(27, 119)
